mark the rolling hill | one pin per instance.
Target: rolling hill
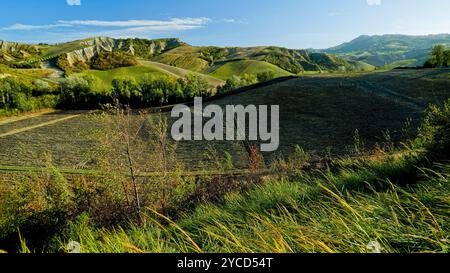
(391, 50)
(144, 68)
(206, 59)
(216, 64)
(229, 69)
(173, 57)
(106, 77)
(180, 72)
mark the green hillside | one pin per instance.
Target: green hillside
(27, 74)
(173, 52)
(380, 50)
(58, 49)
(106, 77)
(186, 57)
(180, 72)
(229, 69)
(203, 59)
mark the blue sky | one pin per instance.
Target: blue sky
(288, 23)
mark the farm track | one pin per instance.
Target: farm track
(179, 72)
(27, 116)
(28, 128)
(57, 72)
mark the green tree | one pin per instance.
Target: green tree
(447, 58)
(75, 90)
(125, 91)
(435, 131)
(266, 76)
(232, 83)
(194, 86)
(15, 93)
(439, 55)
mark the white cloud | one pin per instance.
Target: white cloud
(141, 23)
(174, 24)
(374, 2)
(74, 2)
(78, 29)
(33, 27)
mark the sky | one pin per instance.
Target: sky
(287, 23)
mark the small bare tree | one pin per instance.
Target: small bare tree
(136, 149)
(122, 149)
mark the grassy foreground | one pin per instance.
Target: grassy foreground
(361, 209)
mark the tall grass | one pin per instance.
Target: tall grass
(342, 212)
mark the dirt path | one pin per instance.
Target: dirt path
(8, 120)
(179, 72)
(57, 72)
(24, 129)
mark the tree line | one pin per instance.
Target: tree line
(150, 91)
(80, 92)
(21, 95)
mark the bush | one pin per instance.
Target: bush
(111, 60)
(14, 93)
(37, 207)
(19, 95)
(266, 76)
(236, 82)
(63, 63)
(435, 132)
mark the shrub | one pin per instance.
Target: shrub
(63, 63)
(111, 60)
(236, 82)
(266, 76)
(435, 132)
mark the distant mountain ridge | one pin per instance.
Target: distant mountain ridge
(177, 53)
(380, 50)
